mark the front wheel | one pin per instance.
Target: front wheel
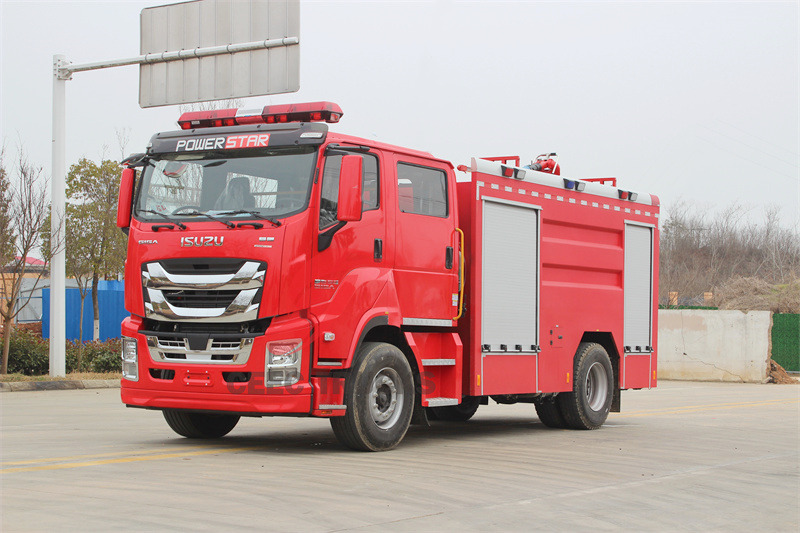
(200, 425)
(379, 395)
(587, 406)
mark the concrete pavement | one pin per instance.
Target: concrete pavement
(694, 456)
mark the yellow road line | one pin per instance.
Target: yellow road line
(187, 451)
(701, 408)
(130, 459)
(96, 455)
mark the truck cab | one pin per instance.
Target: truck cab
(265, 251)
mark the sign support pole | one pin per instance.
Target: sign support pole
(62, 72)
(58, 309)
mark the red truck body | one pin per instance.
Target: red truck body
(285, 296)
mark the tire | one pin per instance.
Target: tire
(379, 395)
(587, 406)
(550, 414)
(457, 413)
(200, 425)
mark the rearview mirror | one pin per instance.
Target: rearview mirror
(125, 196)
(350, 189)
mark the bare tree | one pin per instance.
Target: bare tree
(211, 105)
(702, 251)
(123, 138)
(92, 189)
(80, 249)
(24, 201)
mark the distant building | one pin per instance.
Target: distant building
(36, 276)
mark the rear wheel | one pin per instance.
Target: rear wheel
(550, 414)
(457, 413)
(200, 425)
(587, 406)
(379, 395)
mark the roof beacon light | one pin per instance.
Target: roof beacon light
(207, 119)
(311, 112)
(574, 185)
(271, 114)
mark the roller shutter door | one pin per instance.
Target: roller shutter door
(510, 276)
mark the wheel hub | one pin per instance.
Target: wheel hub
(385, 402)
(596, 386)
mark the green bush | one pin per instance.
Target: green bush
(106, 356)
(29, 354)
(95, 356)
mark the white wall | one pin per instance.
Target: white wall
(705, 345)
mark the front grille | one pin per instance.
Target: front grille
(203, 290)
(200, 299)
(173, 343)
(217, 357)
(194, 348)
(224, 345)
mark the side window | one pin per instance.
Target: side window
(422, 190)
(330, 187)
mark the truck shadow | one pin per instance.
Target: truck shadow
(321, 438)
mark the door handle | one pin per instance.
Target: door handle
(448, 258)
(377, 251)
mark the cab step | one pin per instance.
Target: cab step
(438, 362)
(441, 402)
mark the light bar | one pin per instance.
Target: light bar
(207, 119)
(271, 114)
(311, 112)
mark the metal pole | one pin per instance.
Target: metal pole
(58, 337)
(62, 72)
(178, 55)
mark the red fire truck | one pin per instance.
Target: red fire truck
(278, 268)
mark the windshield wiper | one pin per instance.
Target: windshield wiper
(137, 160)
(256, 214)
(198, 213)
(165, 217)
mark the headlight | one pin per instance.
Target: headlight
(130, 359)
(284, 359)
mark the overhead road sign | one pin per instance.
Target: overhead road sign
(189, 31)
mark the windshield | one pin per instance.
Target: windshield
(272, 183)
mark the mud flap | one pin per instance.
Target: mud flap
(420, 415)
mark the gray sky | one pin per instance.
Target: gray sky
(692, 101)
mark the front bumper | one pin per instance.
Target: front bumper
(221, 387)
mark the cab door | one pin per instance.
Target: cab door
(349, 264)
(426, 264)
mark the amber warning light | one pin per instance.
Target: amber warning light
(271, 114)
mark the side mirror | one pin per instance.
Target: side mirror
(350, 189)
(125, 197)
